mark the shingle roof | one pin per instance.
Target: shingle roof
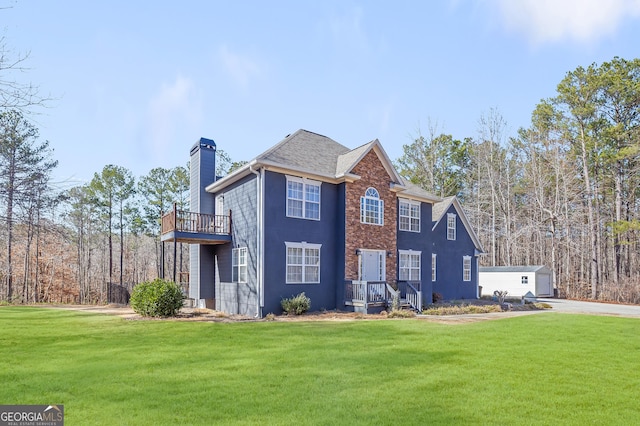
(413, 189)
(315, 154)
(440, 208)
(306, 150)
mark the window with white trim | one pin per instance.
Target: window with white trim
(466, 268)
(409, 215)
(451, 226)
(524, 279)
(409, 269)
(239, 265)
(371, 208)
(303, 198)
(303, 263)
(434, 258)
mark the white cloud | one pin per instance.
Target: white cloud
(583, 21)
(176, 109)
(241, 68)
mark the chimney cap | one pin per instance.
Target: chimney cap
(203, 143)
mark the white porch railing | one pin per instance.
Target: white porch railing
(367, 292)
(414, 295)
(411, 293)
(379, 292)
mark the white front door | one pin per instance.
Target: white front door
(372, 265)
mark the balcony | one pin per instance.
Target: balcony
(182, 226)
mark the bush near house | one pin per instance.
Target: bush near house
(296, 305)
(158, 298)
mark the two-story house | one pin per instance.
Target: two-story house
(311, 215)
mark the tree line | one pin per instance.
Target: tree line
(562, 192)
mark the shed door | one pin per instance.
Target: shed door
(544, 285)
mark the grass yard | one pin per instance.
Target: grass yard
(539, 369)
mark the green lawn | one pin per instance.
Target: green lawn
(547, 368)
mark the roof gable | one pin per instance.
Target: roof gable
(348, 161)
(439, 209)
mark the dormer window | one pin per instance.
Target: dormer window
(371, 208)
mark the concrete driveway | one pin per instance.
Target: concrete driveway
(592, 308)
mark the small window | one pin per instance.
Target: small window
(434, 257)
(372, 208)
(466, 268)
(451, 226)
(239, 265)
(409, 216)
(409, 265)
(303, 263)
(525, 279)
(303, 198)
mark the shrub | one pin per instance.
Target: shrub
(400, 313)
(461, 309)
(296, 305)
(436, 297)
(500, 295)
(158, 298)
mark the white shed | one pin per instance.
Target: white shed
(517, 280)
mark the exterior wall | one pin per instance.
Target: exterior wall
(366, 236)
(278, 229)
(202, 270)
(449, 281)
(420, 241)
(512, 283)
(240, 298)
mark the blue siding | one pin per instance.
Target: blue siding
(449, 260)
(328, 231)
(419, 241)
(202, 173)
(340, 255)
(239, 298)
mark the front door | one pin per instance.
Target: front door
(372, 265)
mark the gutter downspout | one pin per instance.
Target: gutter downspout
(259, 231)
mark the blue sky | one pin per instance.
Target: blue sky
(138, 82)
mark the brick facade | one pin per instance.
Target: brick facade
(367, 236)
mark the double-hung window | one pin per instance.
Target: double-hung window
(409, 265)
(239, 265)
(409, 214)
(451, 226)
(303, 263)
(303, 198)
(466, 268)
(372, 208)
